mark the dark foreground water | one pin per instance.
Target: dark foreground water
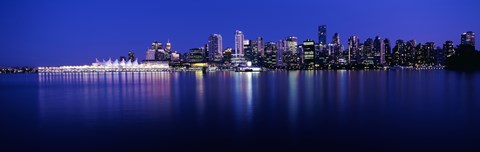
(316, 110)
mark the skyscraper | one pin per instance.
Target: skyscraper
(388, 51)
(261, 46)
(468, 38)
(379, 49)
(239, 38)
(214, 46)
(322, 35)
(430, 53)
(448, 48)
(292, 44)
(309, 53)
(353, 53)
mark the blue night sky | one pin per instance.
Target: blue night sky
(61, 32)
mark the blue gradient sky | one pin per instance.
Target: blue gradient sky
(61, 32)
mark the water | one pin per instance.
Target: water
(297, 110)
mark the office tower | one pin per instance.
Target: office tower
(353, 52)
(420, 54)
(440, 56)
(214, 46)
(429, 53)
(239, 38)
(131, 56)
(335, 47)
(398, 52)
(261, 47)
(282, 47)
(379, 48)
(227, 55)
(247, 47)
(271, 54)
(336, 39)
(388, 51)
(410, 52)
(255, 52)
(308, 53)
(449, 48)
(368, 48)
(322, 35)
(292, 44)
(468, 38)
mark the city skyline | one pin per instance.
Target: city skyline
(66, 43)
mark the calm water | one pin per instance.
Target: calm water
(342, 110)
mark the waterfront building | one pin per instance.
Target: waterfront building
(239, 38)
(379, 51)
(449, 48)
(196, 55)
(388, 51)
(429, 54)
(292, 44)
(248, 49)
(271, 54)
(468, 38)
(214, 47)
(353, 52)
(308, 53)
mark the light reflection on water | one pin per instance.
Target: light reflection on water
(291, 105)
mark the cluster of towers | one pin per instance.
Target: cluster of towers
(289, 53)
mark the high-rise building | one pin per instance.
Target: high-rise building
(336, 48)
(379, 50)
(353, 52)
(292, 44)
(336, 39)
(448, 48)
(271, 54)
(261, 47)
(468, 38)
(398, 53)
(214, 46)
(322, 35)
(308, 53)
(410, 52)
(282, 47)
(239, 38)
(388, 51)
(248, 48)
(430, 53)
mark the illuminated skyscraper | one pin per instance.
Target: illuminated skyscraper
(292, 44)
(379, 49)
(322, 35)
(468, 38)
(448, 48)
(214, 46)
(308, 53)
(261, 46)
(239, 38)
(353, 52)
